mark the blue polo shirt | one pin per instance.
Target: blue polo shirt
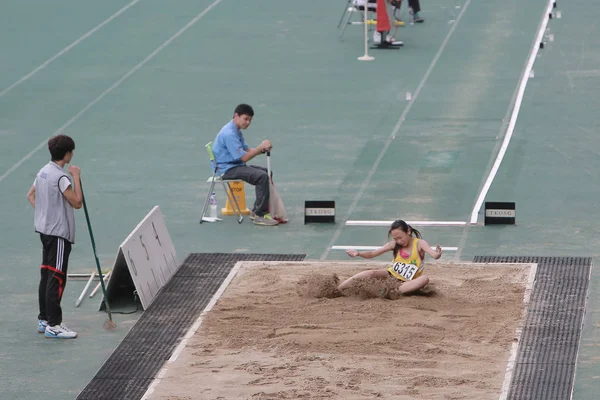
(229, 147)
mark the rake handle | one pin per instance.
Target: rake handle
(269, 164)
(89, 226)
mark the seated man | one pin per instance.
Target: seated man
(232, 153)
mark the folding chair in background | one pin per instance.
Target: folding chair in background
(351, 9)
(226, 187)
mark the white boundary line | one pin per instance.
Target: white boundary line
(397, 127)
(69, 47)
(585, 310)
(508, 375)
(515, 114)
(112, 87)
(377, 247)
(411, 223)
(193, 329)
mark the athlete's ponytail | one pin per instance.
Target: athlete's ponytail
(416, 232)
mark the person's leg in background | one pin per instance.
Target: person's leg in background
(395, 19)
(258, 177)
(261, 205)
(415, 8)
(57, 261)
(383, 36)
(393, 7)
(44, 273)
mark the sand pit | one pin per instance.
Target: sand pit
(272, 336)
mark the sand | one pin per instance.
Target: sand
(282, 331)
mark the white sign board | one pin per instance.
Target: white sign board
(150, 257)
(500, 213)
(312, 212)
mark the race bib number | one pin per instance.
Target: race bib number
(406, 271)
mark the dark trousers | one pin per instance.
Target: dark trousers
(55, 260)
(258, 177)
(414, 4)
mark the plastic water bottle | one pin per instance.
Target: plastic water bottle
(213, 206)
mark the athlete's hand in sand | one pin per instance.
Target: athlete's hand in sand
(352, 253)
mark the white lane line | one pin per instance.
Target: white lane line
(586, 307)
(69, 47)
(515, 114)
(377, 247)
(110, 89)
(192, 329)
(399, 124)
(411, 223)
(510, 366)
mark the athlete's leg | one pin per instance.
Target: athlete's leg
(414, 285)
(373, 273)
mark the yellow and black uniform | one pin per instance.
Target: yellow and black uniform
(407, 267)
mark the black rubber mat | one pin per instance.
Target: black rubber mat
(133, 365)
(545, 363)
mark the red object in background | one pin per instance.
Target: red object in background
(383, 21)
